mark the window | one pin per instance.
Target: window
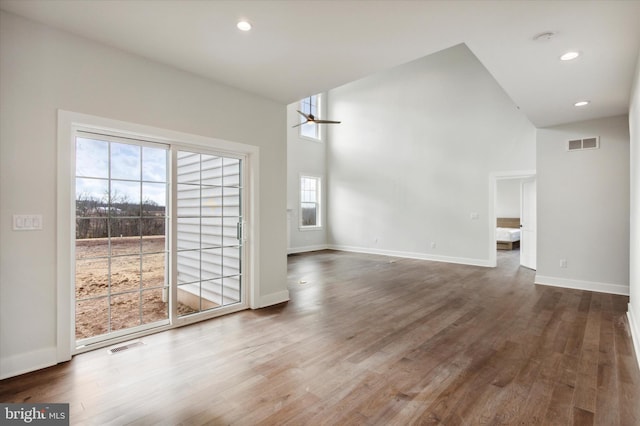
(310, 105)
(310, 191)
(121, 221)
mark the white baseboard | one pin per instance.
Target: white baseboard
(634, 327)
(305, 249)
(583, 285)
(26, 362)
(412, 255)
(273, 299)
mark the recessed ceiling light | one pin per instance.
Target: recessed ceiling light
(569, 56)
(582, 103)
(244, 25)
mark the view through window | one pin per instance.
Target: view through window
(121, 225)
(310, 202)
(310, 105)
(123, 233)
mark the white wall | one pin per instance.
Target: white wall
(43, 70)
(305, 157)
(583, 206)
(508, 197)
(634, 278)
(412, 158)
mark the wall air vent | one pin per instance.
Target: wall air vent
(581, 144)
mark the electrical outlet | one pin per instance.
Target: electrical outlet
(433, 244)
(563, 263)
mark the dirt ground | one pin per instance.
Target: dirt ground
(130, 272)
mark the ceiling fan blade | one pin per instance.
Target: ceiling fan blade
(303, 114)
(326, 122)
(300, 124)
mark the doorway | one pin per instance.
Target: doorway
(159, 235)
(522, 191)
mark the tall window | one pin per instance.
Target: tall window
(310, 190)
(310, 105)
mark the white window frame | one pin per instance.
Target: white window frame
(68, 124)
(318, 115)
(319, 197)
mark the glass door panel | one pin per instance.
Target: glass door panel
(208, 241)
(121, 228)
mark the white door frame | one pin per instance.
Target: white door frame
(68, 122)
(528, 238)
(494, 177)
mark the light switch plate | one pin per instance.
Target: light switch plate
(27, 222)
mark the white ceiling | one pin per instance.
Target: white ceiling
(300, 47)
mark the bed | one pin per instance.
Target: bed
(507, 233)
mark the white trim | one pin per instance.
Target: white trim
(273, 299)
(634, 328)
(68, 122)
(413, 255)
(308, 139)
(305, 249)
(65, 309)
(582, 285)
(25, 362)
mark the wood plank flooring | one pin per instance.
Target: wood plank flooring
(373, 340)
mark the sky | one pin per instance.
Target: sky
(132, 168)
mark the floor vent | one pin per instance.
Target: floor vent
(124, 347)
(582, 144)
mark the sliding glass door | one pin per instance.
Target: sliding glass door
(158, 236)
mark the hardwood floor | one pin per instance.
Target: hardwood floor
(371, 340)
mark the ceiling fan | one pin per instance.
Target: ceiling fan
(311, 119)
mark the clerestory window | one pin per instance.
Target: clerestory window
(310, 105)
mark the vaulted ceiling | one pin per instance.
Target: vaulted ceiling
(299, 47)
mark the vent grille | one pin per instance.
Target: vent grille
(582, 144)
(124, 347)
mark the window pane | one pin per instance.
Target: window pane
(155, 305)
(154, 199)
(92, 158)
(309, 214)
(125, 198)
(309, 130)
(92, 317)
(125, 161)
(92, 277)
(154, 164)
(188, 167)
(122, 232)
(152, 231)
(125, 273)
(153, 267)
(125, 311)
(92, 197)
